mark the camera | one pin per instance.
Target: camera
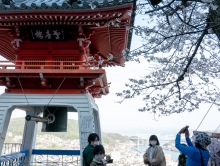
(185, 129)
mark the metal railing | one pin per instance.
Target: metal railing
(11, 147)
(54, 65)
(14, 159)
(55, 157)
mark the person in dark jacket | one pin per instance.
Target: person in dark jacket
(88, 156)
(182, 158)
(197, 155)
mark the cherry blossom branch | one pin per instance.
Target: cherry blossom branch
(177, 83)
(192, 12)
(181, 77)
(159, 8)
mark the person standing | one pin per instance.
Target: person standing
(99, 154)
(88, 156)
(197, 155)
(182, 158)
(154, 155)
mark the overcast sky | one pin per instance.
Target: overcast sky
(125, 119)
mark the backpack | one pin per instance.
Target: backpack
(182, 160)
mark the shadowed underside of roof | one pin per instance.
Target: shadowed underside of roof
(105, 40)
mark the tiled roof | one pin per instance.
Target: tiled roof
(39, 2)
(57, 4)
(49, 2)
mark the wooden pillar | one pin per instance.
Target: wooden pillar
(19, 58)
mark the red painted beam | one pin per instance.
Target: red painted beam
(46, 91)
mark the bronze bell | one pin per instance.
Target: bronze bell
(60, 122)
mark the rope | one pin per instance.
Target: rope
(53, 112)
(54, 94)
(203, 120)
(22, 90)
(48, 102)
(217, 128)
(206, 113)
(215, 155)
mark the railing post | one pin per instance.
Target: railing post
(22, 65)
(61, 65)
(46, 157)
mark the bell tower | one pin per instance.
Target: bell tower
(56, 53)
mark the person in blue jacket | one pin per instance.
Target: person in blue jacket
(197, 155)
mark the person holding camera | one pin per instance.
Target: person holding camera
(99, 154)
(154, 155)
(88, 156)
(197, 155)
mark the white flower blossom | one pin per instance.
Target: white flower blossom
(110, 57)
(183, 61)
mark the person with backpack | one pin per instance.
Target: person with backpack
(197, 155)
(154, 155)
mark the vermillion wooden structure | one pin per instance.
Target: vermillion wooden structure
(47, 43)
(55, 52)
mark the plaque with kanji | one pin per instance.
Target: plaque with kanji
(49, 34)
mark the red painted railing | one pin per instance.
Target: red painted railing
(54, 65)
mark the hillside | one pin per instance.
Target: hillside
(16, 127)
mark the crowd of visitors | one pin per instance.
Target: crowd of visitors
(195, 153)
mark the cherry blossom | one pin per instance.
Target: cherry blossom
(181, 41)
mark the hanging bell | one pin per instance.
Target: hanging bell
(60, 121)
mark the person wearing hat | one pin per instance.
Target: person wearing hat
(154, 155)
(197, 155)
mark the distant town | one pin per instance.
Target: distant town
(121, 149)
